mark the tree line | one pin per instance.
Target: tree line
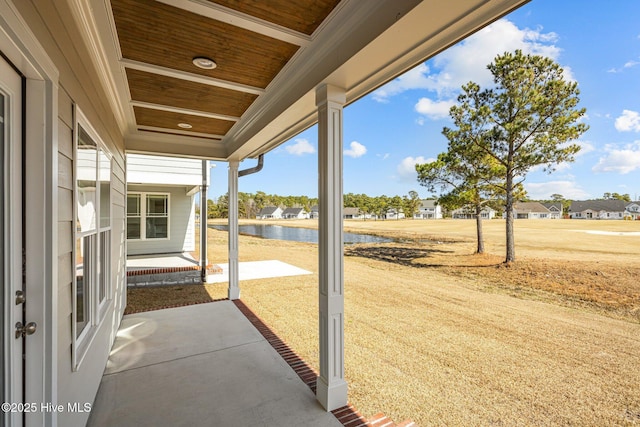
(250, 204)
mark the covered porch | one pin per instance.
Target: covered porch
(277, 79)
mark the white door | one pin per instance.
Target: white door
(11, 249)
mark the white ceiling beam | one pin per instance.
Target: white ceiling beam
(169, 145)
(180, 132)
(241, 20)
(196, 78)
(188, 111)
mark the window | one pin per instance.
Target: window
(133, 216)
(147, 216)
(92, 286)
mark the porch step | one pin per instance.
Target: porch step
(158, 276)
(348, 416)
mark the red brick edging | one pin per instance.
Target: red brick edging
(164, 270)
(348, 416)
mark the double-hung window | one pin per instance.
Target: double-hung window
(147, 216)
(92, 251)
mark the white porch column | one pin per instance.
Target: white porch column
(331, 389)
(234, 287)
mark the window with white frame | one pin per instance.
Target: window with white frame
(92, 285)
(147, 216)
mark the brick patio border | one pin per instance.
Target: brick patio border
(348, 416)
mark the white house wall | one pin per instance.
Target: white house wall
(144, 169)
(53, 28)
(181, 223)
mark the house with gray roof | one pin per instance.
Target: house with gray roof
(598, 209)
(270, 212)
(294, 213)
(530, 210)
(314, 214)
(352, 213)
(632, 210)
(555, 209)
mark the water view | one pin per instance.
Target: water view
(279, 232)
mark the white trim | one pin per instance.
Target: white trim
(234, 275)
(241, 20)
(96, 309)
(191, 77)
(12, 368)
(180, 132)
(331, 390)
(188, 111)
(143, 216)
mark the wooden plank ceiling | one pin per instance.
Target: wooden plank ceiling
(158, 41)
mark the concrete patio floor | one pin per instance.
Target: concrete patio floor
(201, 365)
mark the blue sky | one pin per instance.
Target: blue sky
(388, 131)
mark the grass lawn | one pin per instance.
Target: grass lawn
(444, 337)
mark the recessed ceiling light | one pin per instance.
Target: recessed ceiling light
(204, 63)
(185, 125)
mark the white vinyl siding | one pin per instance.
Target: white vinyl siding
(160, 170)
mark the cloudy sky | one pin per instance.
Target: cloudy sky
(400, 124)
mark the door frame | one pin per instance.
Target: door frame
(12, 205)
(19, 44)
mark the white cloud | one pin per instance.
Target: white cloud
(384, 156)
(628, 64)
(585, 147)
(420, 121)
(413, 79)
(544, 190)
(407, 168)
(434, 109)
(619, 160)
(467, 61)
(356, 150)
(629, 121)
(300, 147)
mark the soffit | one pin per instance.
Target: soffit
(270, 56)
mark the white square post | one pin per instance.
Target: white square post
(331, 390)
(234, 286)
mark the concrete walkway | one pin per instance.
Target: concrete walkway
(201, 365)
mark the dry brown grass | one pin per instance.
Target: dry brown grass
(434, 333)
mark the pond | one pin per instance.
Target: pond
(295, 234)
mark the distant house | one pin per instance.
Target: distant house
(632, 210)
(294, 213)
(161, 204)
(530, 210)
(428, 209)
(598, 209)
(468, 213)
(270, 212)
(314, 212)
(393, 214)
(352, 213)
(555, 210)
